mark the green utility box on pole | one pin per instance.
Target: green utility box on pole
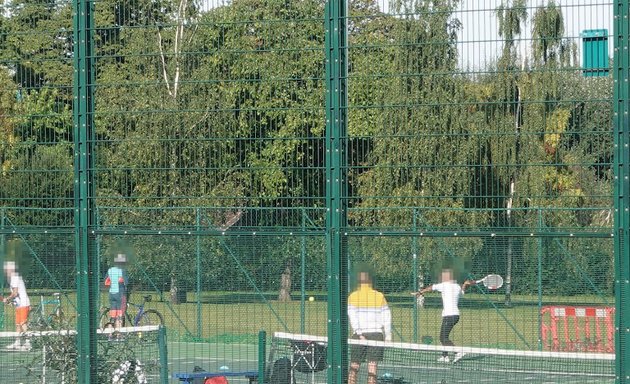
(595, 61)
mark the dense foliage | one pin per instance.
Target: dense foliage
(222, 108)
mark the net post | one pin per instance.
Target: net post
(163, 352)
(44, 364)
(262, 356)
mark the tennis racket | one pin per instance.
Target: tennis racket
(491, 282)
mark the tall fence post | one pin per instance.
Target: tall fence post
(163, 355)
(414, 252)
(198, 269)
(2, 256)
(262, 356)
(84, 214)
(539, 252)
(303, 275)
(621, 100)
(98, 245)
(336, 188)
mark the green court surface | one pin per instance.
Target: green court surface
(463, 372)
(401, 365)
(407, 363)
(50, 356)
(212, 357)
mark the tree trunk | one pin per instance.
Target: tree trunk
(174, 291)
(285, 285)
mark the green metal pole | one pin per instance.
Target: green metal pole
(163, 351)
(198, 257)
(414, 251)
(2, 257)
(539, 283)
(262, 356)
(622, 190)
(98, 240)
(83, 121)
(303, 276)
(336, 202)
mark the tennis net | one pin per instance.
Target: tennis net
(407, 363)
(133, 354)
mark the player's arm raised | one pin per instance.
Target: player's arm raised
(427, 289)
(467, 284)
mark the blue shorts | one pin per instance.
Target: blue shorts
(116, 301)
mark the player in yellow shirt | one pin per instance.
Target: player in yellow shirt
(370, 319)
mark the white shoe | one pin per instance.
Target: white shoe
(444, 359)
(458, 356)
(26, 346)
(15, 345)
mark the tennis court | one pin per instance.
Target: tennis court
(413, 363)
(51, 356)
(212, 357)
(417, 363)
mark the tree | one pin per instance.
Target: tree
(510, 16)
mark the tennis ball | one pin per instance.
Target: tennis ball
(311, 298)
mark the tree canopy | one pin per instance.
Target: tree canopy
(222, 108)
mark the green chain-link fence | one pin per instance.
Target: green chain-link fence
(248, 156)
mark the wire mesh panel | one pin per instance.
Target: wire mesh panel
(479, 143)
(36, 179)
(479, 111)
(189, 193)
(548, 276)
(209, 121)
(208, 104)
(213, 294)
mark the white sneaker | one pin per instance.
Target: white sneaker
(26, 346)
(13, 346)
(458, 356)
(444, 359)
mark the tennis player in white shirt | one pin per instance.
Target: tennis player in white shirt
(451, 292)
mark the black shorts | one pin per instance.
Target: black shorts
(363, 353)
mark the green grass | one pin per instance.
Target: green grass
(225, 319)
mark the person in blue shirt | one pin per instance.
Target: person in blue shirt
(117, 282)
